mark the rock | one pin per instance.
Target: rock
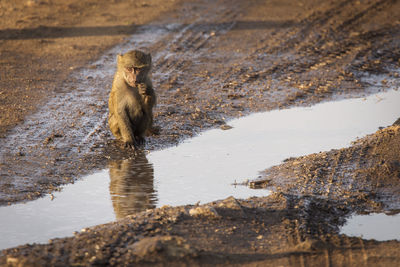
(230, 203)
(206, 211)
(226, 127)
(164, 247)
(233, 204)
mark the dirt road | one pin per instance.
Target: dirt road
(213, 60)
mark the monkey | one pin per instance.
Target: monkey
(132, 185)
(132, 99)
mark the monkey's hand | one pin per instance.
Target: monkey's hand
(142, 88)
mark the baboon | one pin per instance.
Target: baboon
(132, 99)
(131, 185)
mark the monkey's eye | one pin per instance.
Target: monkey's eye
(130, 69)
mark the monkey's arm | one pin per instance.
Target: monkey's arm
(149, 102)
(148, 97)
(148, 94)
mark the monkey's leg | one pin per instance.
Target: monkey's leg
(140, 140)
(142, 128)
(113, 124)
(126, 127)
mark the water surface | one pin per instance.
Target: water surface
(200, 169)
(378, 226)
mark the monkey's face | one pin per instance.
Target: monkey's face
(134, 75)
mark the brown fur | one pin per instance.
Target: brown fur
(131, 103)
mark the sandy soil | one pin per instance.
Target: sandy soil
(42, 42)
(221, 59)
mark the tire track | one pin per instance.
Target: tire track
(66, 137)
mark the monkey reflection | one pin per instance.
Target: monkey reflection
(131, 185)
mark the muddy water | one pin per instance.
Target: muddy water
(378, 226)
(200, 169)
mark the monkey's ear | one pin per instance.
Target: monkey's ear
(119, 58)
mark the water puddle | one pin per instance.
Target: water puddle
(378, 226)
(200, 169)
(82, 203)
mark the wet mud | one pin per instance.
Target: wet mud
(213, 60)
(200, 82)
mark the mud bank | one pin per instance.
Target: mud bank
(366, 174)
(298, 224)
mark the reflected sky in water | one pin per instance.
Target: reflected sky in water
(378, 226)
(204, 167)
